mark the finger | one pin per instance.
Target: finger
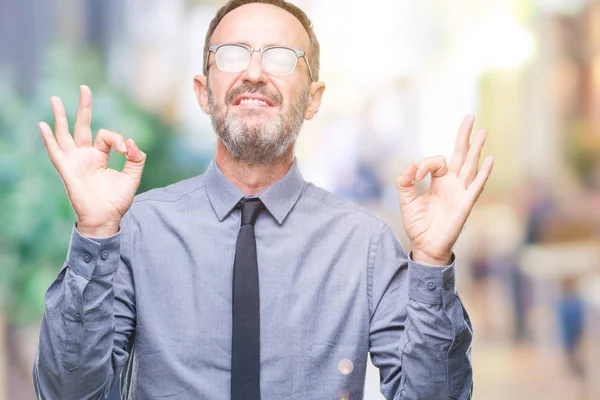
(105, 140)
(54, 152)
(469, 168)
(405, 185)
(481, 179)
(461, 146)
(436, 165)
(61, 126)
(82, 133)
(136, 159)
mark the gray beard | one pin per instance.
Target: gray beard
(260, 143)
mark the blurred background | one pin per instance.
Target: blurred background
(401, 75)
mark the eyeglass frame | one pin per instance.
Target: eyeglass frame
(251, 50)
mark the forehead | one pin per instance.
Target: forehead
(260, 25)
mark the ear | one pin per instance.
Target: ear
(201, 90)
(315, 98)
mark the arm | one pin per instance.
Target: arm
(88, 322)
(420, 334)
(90, 312)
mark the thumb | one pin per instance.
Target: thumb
(405, 185)
(136, 159)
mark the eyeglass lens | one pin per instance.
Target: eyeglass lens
(275, 61)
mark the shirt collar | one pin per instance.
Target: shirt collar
(279, 198)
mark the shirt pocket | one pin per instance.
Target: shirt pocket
(338, 371)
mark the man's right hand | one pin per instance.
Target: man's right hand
(100, 196)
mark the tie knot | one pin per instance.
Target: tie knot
(250, 210)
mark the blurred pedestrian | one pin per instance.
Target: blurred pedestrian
(571, 324)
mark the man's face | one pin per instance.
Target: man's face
(257, 115)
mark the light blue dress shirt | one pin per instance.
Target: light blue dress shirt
(153, 302)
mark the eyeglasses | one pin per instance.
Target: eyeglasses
(275, 60)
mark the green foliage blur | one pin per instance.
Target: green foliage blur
(36, 217)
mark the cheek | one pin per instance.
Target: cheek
(220, 86)
(289, 90)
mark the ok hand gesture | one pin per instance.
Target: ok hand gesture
(434, 220)
(100, 196)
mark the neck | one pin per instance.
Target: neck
(252, 178)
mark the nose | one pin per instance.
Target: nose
(255, 73)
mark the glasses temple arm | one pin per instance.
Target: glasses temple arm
(312, 79)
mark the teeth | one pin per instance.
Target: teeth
(253, 101)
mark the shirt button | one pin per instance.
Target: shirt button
(87, 258)
(448, 284)
(104, 255)
(78, 317)
(431, 286)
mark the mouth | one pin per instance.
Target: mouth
(252, 100)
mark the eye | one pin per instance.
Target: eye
(232, 58)
(279, 61)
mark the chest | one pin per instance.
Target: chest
(313, 287)
(313, 303)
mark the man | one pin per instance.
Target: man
(247, 282)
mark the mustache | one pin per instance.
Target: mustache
(275, 97)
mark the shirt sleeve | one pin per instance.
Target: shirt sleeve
(88, 321)
(420, 333)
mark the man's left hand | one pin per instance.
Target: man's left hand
(434, 220)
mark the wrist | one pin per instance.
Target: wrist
(99, 232)
(423, 258)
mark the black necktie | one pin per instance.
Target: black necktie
(245, 348)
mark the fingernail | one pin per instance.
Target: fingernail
(123, 147)
(418, 176)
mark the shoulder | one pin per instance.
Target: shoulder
(333, 204)
(164, 201)
(172, 193)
